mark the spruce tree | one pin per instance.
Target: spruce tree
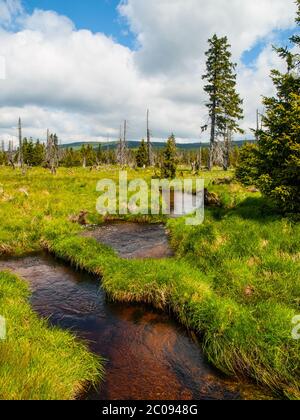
(225, 105)
(169, 159)
(28, 151)
(71, 158)
(39, 154)
(278, 161)
(83, 154)
(142, 155)
(3, 158)
(88, 155)
(99, 155)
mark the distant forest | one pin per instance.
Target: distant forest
(52, 154)
(155, 145)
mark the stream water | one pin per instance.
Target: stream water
(148, 355)
(133, 240)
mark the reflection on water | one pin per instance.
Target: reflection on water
(148, 355)
(134, 240)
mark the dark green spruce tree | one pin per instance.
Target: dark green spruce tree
(142, 155)
(276, 162)
(99, 155)
(225, 104)
(3, 158)
(39, 154)
(169, 159)
(71, 158)
(279, 144)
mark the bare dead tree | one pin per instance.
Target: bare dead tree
(122, 152)
(149, 146)
(200, 157)
(20, 156)
(11, 154)
(52, 152)
(84, 159)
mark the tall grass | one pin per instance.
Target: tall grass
(38, 362)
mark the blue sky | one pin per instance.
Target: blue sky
(95, 15)
(280, 38)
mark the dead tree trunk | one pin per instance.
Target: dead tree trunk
(52, 153)
(122, 154)
(20, 157)
(149, 151)
(212, 136)
(11, 154)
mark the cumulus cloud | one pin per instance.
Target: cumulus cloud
(173, 35)
(82, 85)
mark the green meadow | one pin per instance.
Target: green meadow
(234, 281)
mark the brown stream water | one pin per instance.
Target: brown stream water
(133, 240)
(149, 356)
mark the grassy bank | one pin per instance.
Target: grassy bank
(38, 362)
(234, 280)
(254, 341)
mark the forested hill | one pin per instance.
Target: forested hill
(156, 145)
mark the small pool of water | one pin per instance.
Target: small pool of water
(133, 240)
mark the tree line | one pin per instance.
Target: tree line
(34, 154)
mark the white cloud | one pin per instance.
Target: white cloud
(82, 85)
(48, 22)
(173, 34)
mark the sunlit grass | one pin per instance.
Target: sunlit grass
(38, 362)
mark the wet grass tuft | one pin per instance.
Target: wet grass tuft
(39, 362)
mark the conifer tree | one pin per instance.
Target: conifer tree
(277, 161)
(169, 159)
(225, 105)
(88, 155)
(71, 158)
(3, 158)
(279, 144)
(27, 151)
(99, 155)
(39, 153)
(142, 155)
